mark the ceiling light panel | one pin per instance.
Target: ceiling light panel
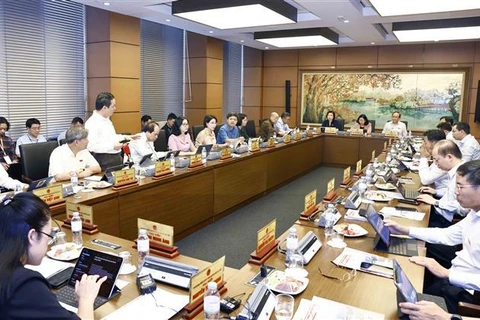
(295, 38)
(388, 8)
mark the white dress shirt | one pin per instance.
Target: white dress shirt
(449, 136)
(62, 160)
(141, 147)
(280, 126)
(26, 139)
(101, 134)
(399, 128)
(433, 174)
(465, 270)
(7, 182)
(61, 136)
(469, 147)
(448, 204)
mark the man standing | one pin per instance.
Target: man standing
(468, 144)
(395, 125)
(281, 127)
(104, 143)
(32, 136)
(267, 128)
(73, 156)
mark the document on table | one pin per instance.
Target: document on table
(407, 214)
(364, 261)
(164, 306)
(48, 267)
(320, 308)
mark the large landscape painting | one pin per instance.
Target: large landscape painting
(421, 98)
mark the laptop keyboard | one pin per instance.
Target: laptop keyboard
(411, 193)
(398, 246)
(67, 296)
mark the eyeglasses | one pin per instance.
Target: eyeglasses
(463, 186)
(347, 276)
(52, 238)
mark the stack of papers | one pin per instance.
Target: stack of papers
(407, 214)
(320, 308)
(354, 215)
(49, 267)
(366, 262)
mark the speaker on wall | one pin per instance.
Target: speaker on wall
(477, 106)
(287, 95)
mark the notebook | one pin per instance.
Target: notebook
(92, 262)
(383, 241)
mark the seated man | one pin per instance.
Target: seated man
(432, 174)
(447, 156)
(446, 119)
(7, 150)
(32, 136)
(467, 143)
(267, 128)
(144, 145)
(447, 129)
(281, 127)
(144, 120)
(76, 122)
(395, 125)
(229, 131)
(464, 273)
(73, 156)
(9, 183)
(168, 127)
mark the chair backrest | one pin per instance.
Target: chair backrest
(63, 141)
(406, 123)
(161, 143)
(341, 124)
(373, 124)
(219, 125)
(196, 130)
(260, 121)
(250, 127)
(36, 159)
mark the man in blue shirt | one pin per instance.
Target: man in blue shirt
(229, 132)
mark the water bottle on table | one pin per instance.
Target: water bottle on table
(211, 302)
(76, 225)
(143, 246)
(292, 245)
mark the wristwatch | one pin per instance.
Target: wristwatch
(456, 317)
(436, 203)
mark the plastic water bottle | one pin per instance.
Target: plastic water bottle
(410, 134)
(211, 302)
(172, 162)
(292, 245)
(76, 225)
(74, 178)
(204, 155)
(275, 135)
(143, 246)
(18, 188)
(249, 144)
(329, 221)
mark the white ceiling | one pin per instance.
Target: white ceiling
(365, 26)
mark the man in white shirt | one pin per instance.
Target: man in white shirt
(104, 143)
(76, 122)
(447, 129)
(73, 156)
(464, 274)
(9, 183)
(144, 145)
(432, 174)
(32, 136)
(467, 143)
(281, 126)
(395, 125)
(447, 156)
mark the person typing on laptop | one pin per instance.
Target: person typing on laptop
(24, 239)
(144, 145)
(432, 174)
(454, 283)
(427, 310)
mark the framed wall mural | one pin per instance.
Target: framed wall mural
(421, 97)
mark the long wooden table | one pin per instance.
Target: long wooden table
(191, 199)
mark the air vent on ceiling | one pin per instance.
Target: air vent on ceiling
(381, 29)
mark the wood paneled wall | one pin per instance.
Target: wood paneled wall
(271, 69)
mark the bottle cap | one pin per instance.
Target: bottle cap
(75, 214)
(212, 286)
(293, 230)
(142, 232)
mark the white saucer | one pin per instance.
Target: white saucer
(127, 269)
(87, 190)
(337, 244)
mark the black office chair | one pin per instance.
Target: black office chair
(373, 125)
(219, 125)
(36, 159)
(62, 141)
(250, 127)
(260, 121)
(161, 144)
(406, 123)
(196, 130)
(341, 124)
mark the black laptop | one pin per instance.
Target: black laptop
(207, 147)
(383, 241)
(145, 157)
(92, 262)
(169, 154)
(40, 183)
(407, 293)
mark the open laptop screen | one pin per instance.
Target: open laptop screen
(377, 223)
(93, 262)
(403, 283)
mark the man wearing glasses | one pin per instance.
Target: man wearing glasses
(32, 136)
(464, 274)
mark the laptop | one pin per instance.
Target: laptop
(207, 147)
(407, 193)
(40, 183)
(92, 262)
(383, 241)
(145, 157)
(108, 175)
(169, 154)
(407, 293)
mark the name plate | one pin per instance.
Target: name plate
(385, 145)
(50, 195)
(359, 166)
(330, 130)
(391, 134)
(309, 133)
(358, 132)
(158, 233)
(390, 141)
(346, 173)
(373, 155)
(266, 236)
(226, 153)
(123, 177)
(212, 273)
(310, 201)
(86, 212)
(196, 160)
(297, 136)
(162, 168)
(271, 142)
(287, 138)
(330, 185)
(255, 144)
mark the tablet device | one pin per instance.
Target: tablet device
(40, 183)
(207, 147)
(169, 154)
(145, 157)
(108, 175)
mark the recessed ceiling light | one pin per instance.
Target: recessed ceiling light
(332, 67)
(242, 41)
(210, 31)
(372, 42)
(267, 48)
(369, 67)
(106, 3)
(346, 21)
(410, 66)
(168, 20)
(407, 7)
(230, 14)
(298, 37)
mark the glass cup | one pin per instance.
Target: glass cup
(127, 258)
(284, 307)
(338, 240)
(87, 185)
(60, 238)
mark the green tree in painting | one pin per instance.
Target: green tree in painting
(454, 97)
(322, 90)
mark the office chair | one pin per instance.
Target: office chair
(250, 127)
(341, 124)
(470, 309)
(36, 160)
(161, 144)
(373, 125)
(196, 130)
(260, 121)
(62, 141)
(406, 123)
(219, 125)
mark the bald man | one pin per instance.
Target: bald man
(267, 128)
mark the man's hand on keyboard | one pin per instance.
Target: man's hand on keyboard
(426, 198)
(431, 265)
(396, 228)
(427, 190)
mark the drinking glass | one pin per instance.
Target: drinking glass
(284, 307)
(60, 238)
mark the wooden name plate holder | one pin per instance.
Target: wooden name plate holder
(345, 183)
(124, 179)
(195, 162)
(271, 142)
(287, 138)
(162, 170)
(330, 197)
(297, 136)
(194, 309)
(255, 145)
(226, 154)
(163, 251)
(305, 215)
(259, 258)
(86, 227)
